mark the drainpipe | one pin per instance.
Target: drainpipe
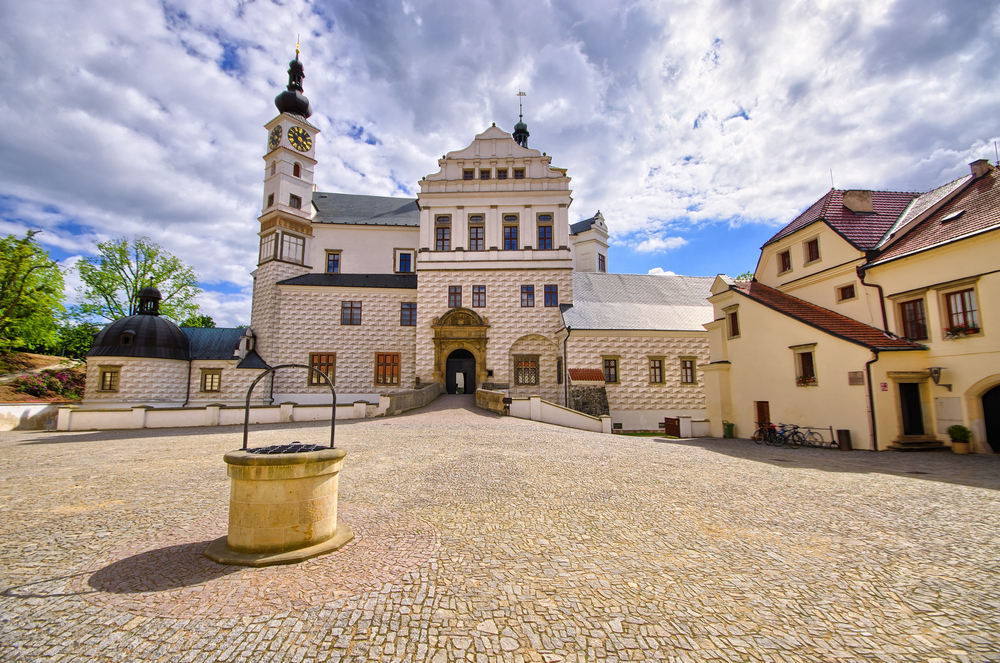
(187, 394)
(871, 401)
(881, 297)
(565, 375)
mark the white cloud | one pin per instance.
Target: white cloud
(654, 244)
(146, 117)
(659, 271)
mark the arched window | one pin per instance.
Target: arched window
(274, 167)
(126, 337)
(297, 170)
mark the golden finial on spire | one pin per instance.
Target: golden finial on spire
(296, 47)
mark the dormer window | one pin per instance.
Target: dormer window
(126, 338)
(297, 170)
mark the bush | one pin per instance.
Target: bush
(959, 433)
(52, 383)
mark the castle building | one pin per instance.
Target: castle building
(480, 281)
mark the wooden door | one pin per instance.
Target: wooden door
(763, 412)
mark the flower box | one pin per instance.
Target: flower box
(957, 331)
(805, 380)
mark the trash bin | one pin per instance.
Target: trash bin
(844, 439)
(728, 430)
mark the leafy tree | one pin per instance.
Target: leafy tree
(199, 321)
(75, 340)
(112, 280)
(31, 293)
(745, 276)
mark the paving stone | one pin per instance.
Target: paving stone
(483, 538)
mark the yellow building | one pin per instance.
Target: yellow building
(871, 312)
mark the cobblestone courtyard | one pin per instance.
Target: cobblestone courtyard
(483, 538)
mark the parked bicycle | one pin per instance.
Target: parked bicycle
(790, 435)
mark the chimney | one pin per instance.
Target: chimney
(859, 202)
(980, 167)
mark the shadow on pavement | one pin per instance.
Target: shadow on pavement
(975, 470)
(159, 570)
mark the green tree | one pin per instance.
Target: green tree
(113, 279)
(75, 340)
(31, 293)
(745, 276)
(199, 321)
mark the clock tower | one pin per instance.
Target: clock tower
(287, 210)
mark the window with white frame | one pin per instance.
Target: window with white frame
(961, 311)
(292, 248)
(268, 246)
(805, 364)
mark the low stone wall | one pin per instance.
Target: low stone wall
(412, 399)
(592, 400)
(490, 400)
(536, 409)
(29, 416)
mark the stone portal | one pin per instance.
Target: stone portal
(460, 337)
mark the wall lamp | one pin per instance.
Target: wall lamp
(936, 376)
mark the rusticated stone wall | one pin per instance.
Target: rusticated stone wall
(139, 380)
(265, 310)
(633, 390)
(547, 351)
(592, 400)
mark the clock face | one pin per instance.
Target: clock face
(275, 138)
(300, 139)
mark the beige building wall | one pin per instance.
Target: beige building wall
(634, 401)
(308, 321)
(970, 364)
(363, 249)
(763, 368)
(140, 381)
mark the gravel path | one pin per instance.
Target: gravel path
(483, 538)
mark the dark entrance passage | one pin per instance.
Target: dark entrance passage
(460, 362)
(909, 404)
(991, 417)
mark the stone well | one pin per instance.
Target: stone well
(282, 508)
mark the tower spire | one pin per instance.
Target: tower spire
(521, 129)
(292, 100)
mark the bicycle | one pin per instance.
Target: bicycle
(789, 435)
(764, 432)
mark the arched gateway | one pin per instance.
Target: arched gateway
(460, 337)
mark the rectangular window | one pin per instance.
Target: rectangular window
(476, 237)
(268, 245)
(408, 314)
(602, 263)
(784, 262)
(292, 248)
(914, 320)
(333, 262)
(846, 292)
(468, 174)
(552, 295)
(405, 262)
(294, 201)
(387, 368)
(454, 296)
(545, 232)
(501, 173)
(519, 173)
(211, 379)
(478, 296)
(323, 362)
(525, 370)
(733, 320)
(962, 309)
(510, 233)
(484, 174)
(687, 371)
(812, 251)
(109, 378)
(656, 371)
(443, 239)
(806, 368)
(527, 295)
(610, 370)
(350, 313)
(270, 200)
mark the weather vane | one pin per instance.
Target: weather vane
(520, 108)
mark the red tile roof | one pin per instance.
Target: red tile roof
(823, 319)
(979, 205)
(586, 374)
(863, 231)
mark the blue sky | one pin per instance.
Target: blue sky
(697, 128)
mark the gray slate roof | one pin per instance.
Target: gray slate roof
(253, 360)
(355, 280)
(365, 210)
(212, 342)
(582, 226)
(639, 301)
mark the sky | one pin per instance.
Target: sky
(698, 128)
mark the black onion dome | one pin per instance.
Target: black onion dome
(521, 133)
(149, 293)
(292, 100)
(141, 335)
